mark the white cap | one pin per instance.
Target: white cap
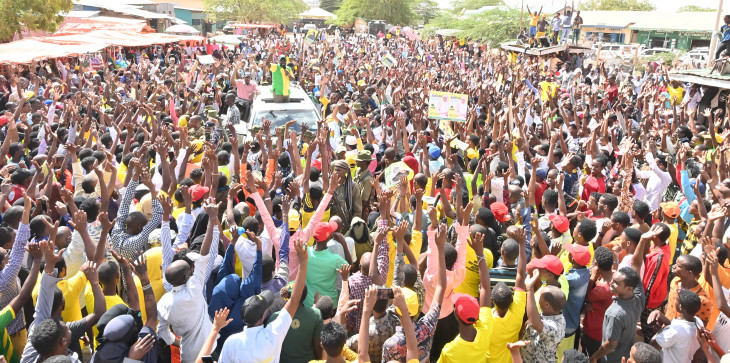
(350, 140)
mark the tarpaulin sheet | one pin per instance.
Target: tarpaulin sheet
(28, 50)
(119, 38)
(81, 28)
(252, 26)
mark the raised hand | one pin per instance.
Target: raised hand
(139, 266)
(89, 269)
(477, 244)
(220, 320)
(51, 257)
(106, 224)
(78, 221)
(344, 271)
(141, 347)
(123, 263)
(301, 248)
(399, 232)
(532, 279)
(441, 234)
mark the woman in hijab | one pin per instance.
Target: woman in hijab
(345, 194)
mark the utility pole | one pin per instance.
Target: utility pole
(713, 42)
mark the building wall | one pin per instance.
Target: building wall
(605, 34)
(683, 40)
(184, 14)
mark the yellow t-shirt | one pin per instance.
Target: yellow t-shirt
(506, 329)
(71, 289)
(416, 243)
(534, 19)
(470, 285)
(308, 211)
(460, 350)
(110, 302)
(672, 240)
(678, 93)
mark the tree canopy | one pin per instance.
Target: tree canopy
(427, 10)
(695, 9)
(330, 5)
(616, 5)
(396, 12)
(279, 11)
(32, 15)
(495, 26)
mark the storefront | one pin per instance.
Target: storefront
(605, 34)
(683, 40)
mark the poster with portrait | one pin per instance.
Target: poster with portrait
(448, 106)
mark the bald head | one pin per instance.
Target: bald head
(63, 237)
(365, 263)
(178, 273)
(553, 296)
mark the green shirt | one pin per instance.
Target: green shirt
(306, 325)
(321, 271)
(6, 317)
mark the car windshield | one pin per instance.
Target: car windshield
(281, 117)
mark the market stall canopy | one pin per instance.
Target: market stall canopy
(182, 29)
(317, 13)
(80, 28)
(226, 39)
(118, 38)
(28, 50)
(252, 26)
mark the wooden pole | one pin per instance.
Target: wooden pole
(713, 42)
(522, 10)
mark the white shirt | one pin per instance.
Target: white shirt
(185, 310)
(658, 182)
(721, 330)
(259, 344)
(679, 341)
(246, 251)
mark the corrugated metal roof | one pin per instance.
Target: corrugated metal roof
(650, 20)
(703, 77)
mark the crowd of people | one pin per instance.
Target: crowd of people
(578, 214)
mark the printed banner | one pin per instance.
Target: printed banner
(447, 106)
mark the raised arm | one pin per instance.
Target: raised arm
(533, 316)
(139, 267)
(521, 260)
(303, 256)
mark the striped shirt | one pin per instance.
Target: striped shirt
(9, 284)
(129, 245)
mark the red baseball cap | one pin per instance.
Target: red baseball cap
(581, 254)
(466, 307)
(323, 230)
(550, 262)
(559, 222)
(198, 191)
(3, 120)
(501, 212)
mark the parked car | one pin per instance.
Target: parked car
(300, 108)
(653, 51)
(698, 54)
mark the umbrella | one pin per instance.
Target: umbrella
(182, 29)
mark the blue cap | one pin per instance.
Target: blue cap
(434, 151)
(48, 102)
(702, 185)
(542, 173)
(241, 231)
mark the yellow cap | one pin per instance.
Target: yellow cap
(293, 220)
(182, 121)
(411, 302)
(472, 154)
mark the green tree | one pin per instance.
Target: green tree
(695, 9)
(616, 5)
(279, 11)
(427, 10)
(32, 15)
(396, 12)
(494, 26)
(330, 5)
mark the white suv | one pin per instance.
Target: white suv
(300, 108)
